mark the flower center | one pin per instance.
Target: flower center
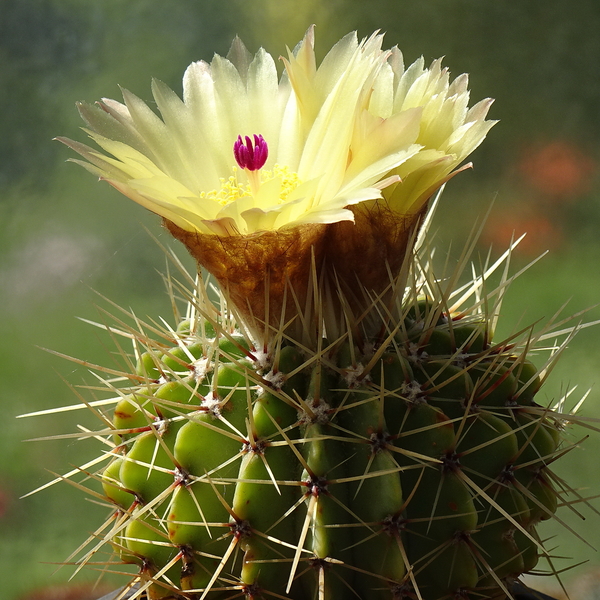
(231, 189)
(251, 156)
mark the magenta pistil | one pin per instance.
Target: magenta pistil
(248, 155)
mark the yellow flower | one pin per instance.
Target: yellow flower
(333, 136)
(267, 178)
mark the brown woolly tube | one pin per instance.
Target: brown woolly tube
(270, 273)
(245, 265)
(367, 255)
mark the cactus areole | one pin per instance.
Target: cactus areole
(342, 423)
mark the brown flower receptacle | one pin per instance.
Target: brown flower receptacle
(367, 255)
(264, 275)
(269, 276)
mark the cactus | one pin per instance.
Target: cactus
(409, 462)
(340, 421)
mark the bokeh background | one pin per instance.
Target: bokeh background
(63, 235)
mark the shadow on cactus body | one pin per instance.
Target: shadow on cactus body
(405, 456)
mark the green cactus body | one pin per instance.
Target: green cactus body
(368, 470)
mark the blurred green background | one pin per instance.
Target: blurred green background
(63, 235)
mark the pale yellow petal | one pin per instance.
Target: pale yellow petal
(151, 128)
(210, 126)
(381, 102)
(267, 102)
(196, 167)
(393, 137)
(101, 166)
(181, 217)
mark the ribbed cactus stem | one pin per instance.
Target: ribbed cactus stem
(411, 463)
(398, 454)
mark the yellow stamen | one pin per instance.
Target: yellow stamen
(231, 189)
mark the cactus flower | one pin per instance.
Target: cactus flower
(250, 170)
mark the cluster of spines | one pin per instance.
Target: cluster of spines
(423, 438)
(203, 443)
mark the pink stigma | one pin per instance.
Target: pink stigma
(251, 156)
